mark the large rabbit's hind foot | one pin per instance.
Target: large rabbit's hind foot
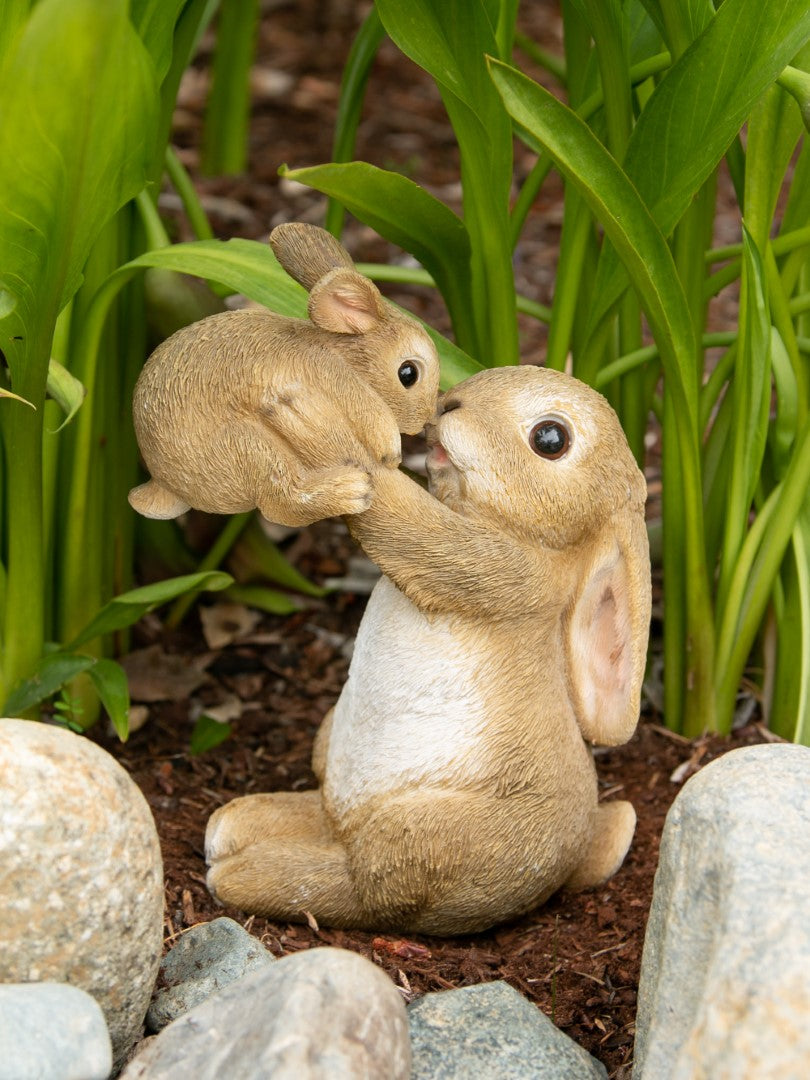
(613, 832)
(155, 501)
(273, 855)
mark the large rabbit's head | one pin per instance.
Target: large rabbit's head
(383, 344)
(542, 456)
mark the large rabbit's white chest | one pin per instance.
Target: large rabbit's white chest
(411, 710)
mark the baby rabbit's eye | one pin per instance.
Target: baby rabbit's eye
(549, 439)
(408, 374)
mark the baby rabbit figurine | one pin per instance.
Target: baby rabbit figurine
(250, 409)
(457, 789)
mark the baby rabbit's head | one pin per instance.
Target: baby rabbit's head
(534, 451)
(383, 344)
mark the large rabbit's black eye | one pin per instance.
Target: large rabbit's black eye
(408, 373)
(549, 439)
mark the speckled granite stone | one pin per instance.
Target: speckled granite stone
(81, 877)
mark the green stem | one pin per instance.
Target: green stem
(184, 186)
(24, 614)
(219, 549)
(227, 118)
(542, 57)
(755, 572)
(352, 92)
(570, 268)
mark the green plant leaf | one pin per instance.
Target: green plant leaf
(697, 110)
(263, 599)
(126, 609)
(207, 734)
(65, 389)
(245, 266)
(16, 397)
(155, 21)
(617, 206)
(50, 675)
(790, 704)
(403, 213)
(350, 106)
(79, 146)
(750, 389)
(111, 685)
(451, 40)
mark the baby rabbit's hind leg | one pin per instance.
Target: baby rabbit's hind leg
(614, 826)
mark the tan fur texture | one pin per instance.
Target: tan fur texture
(457, 790)
(249, 409)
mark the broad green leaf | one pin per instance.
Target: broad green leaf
(251, 268)
(697, 110)
(155, 21)
(207, 734)
(126, 609)
(774, 128)
(455, 363)
(246, 266)
(405, 214)
(65, 389)
(259, 558)
(110, 681)
(51, 674)
(79, 101)
(617, 206)
(679, 21)
(263, 599)
(13, 14)
(451, 40)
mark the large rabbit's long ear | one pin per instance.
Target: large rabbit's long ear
(308, 253)
(607, 631)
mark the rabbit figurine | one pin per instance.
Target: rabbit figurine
(510, 626)
(249, 409)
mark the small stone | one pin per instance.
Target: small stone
(321, 1013)
(725, 976)
(81, 881)
(50, 1031)
(491, 1030)
(207, 958)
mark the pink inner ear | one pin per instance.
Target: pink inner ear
(601, 655)
(609, 666)
(345, 303)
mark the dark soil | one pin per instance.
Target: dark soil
(578, 957)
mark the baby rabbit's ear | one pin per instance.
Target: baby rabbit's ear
(308, 253)
(606, 642)
(345, 302)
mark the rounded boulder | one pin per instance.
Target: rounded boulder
(81, 875)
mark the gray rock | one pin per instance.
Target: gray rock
(491, 1030)
(206, 958)
(725, 976)
(81, 882)
(323, 1013)
(50, 1031)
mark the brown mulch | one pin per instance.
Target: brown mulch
(578, 957)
